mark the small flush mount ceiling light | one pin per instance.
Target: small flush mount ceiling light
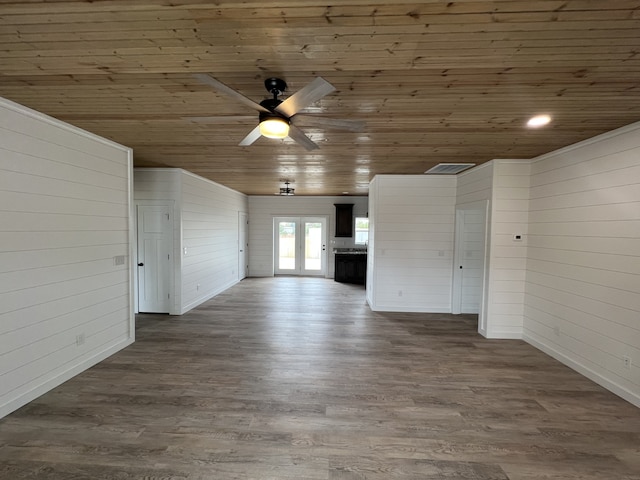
(286, 191)
(274, 127)
(538, 121)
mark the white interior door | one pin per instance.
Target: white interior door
(155, 242)
(470, 253)
(300, 246)
(243, 245)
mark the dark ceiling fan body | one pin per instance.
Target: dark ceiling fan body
(285, 112)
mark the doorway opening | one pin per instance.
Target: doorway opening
(243, 245)
(470, 261)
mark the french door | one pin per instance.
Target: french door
(300, 246)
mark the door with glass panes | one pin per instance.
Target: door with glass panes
(300, 246)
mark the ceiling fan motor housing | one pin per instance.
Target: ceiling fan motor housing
(275, 86)
(271, 104)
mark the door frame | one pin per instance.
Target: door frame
(174, 303)
(458, 260)
(243, 250)
(299, 221)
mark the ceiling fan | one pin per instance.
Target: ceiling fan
(279, 118)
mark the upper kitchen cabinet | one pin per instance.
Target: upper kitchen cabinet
(344, 219)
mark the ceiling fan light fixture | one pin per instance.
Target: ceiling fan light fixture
(287, 191)
(274, 128)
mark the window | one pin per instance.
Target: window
(362, 231)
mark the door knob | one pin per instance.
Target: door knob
(141, 264)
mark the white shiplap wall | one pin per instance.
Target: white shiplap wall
(371, 258)
(65, 203)
(413, 244)
(262, 210)
(206, 218)
(582, 300)
(475, 185)
(474, 191)
(210, 235)
(508, 258)
(163, 186)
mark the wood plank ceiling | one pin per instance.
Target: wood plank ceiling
(435, 81)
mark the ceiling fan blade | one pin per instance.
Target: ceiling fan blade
(317, 121)
(224, 119)
(298, 135)
(304, 97)
(228, 91)
(252, 137)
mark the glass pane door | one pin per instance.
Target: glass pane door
(286, 247)
(313, 245)
(300, 246)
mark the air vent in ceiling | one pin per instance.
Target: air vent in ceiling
(450, 168)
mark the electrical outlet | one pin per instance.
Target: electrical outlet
(556, 330)
(197, 287)
(626, 362)
(80, 339)
(399, 293)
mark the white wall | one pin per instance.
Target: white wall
(582, 297)
(474, 191)
(475, 185)
(262, 210)
(205, 231)
(372, 265)
(210, 235)
(65, 250)
(413, 243)
(508, 258)
(163, 186)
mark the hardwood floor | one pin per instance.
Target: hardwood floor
(295, 378)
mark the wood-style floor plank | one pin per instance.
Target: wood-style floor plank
(295, 378)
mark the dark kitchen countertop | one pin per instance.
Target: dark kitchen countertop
(350, 251)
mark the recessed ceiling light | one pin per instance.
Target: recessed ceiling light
(538, 121)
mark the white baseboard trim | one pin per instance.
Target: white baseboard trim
(62, 377)
(613, 387)
(395, 308)
(208, 296)
(514, 333)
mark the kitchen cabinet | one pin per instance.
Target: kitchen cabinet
(351, 268)
(344, 219)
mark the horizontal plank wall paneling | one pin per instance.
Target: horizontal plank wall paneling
(262, 210)
(474, 190)
(371, 257)
(413, 246)
(508, 256)
(475, 185)
(582, 299)
(210, 237)
(65, 251)
(163, 186)
(205, 231)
